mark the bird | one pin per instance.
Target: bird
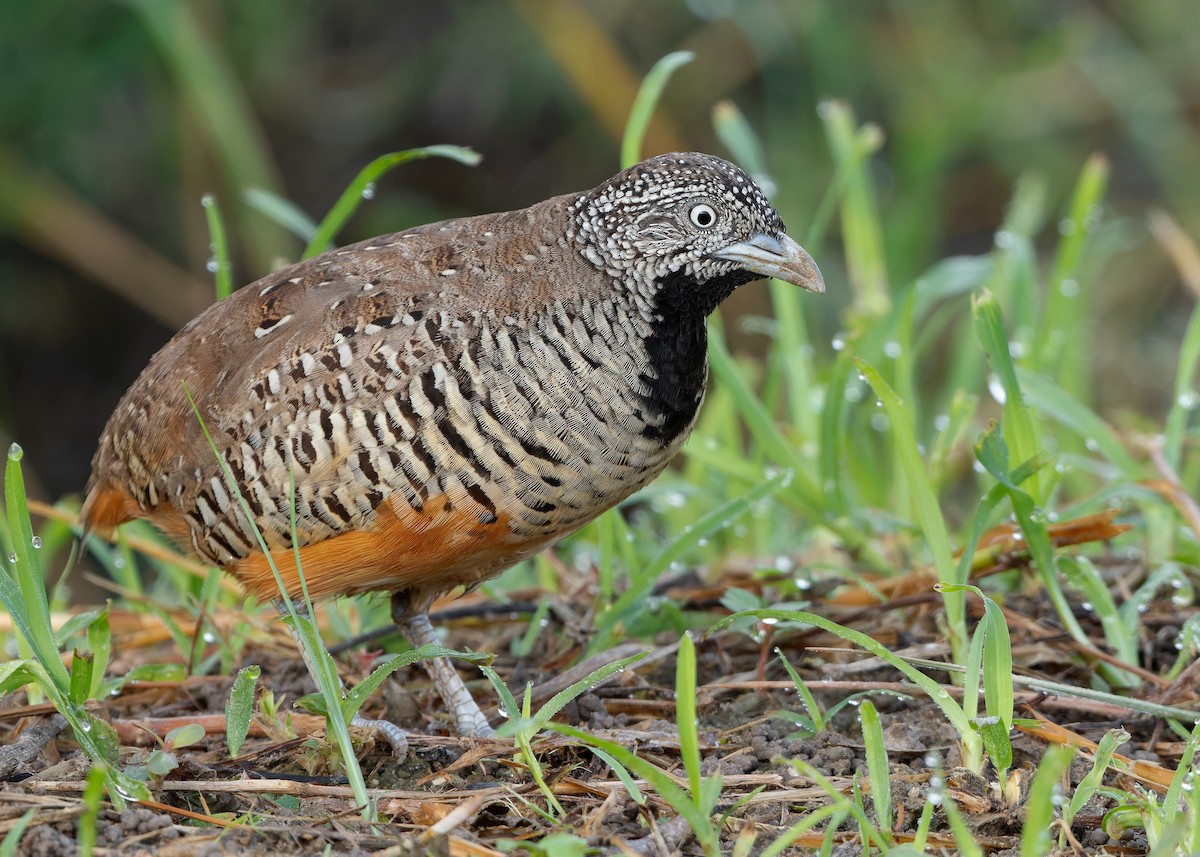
(433, 406)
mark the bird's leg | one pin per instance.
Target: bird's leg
(469, 719)
(387, 730)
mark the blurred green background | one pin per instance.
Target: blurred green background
(116, 117)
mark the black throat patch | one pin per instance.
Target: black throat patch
(677, 349)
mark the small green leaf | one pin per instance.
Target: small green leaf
(184, 736)
(161, 763)
(241, 708)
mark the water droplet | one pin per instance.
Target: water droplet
(855, 390)
(1017, 349)
(855, 703)
(839, 341)
(996, 389)
(207, 200)
(784, 564)
(1005, 239)
(769, 620)
(212, 266)
(1189, 400)
(118, 562)
(701, 543)
(1087, 607)
(1092, 444)
(880, 422)
(208, 637)
(368, 192)
(892, 349)
(15, 452)
(36, 542)
(1069, 288)
(12, 557)
(86, 724)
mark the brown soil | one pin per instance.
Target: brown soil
(458, 796)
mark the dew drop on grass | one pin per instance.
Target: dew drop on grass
(1087, 607)
(12, 557)
(207, 200)
(1092, 444)
(1189, 400)
(86, 724)
(941, 422)
(880, 422)
(769, 620)
(118, 562)
(1005, 239)
(15, 452)
(996, 388)
(36, 542)
(839, 342)
(212, 266)
(784, 564)
(368, 192)
(208, 637)
(892, 349)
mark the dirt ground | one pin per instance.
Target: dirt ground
(465, 797)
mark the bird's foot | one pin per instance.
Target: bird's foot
(388, 731)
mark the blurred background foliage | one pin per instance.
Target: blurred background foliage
(116, 117)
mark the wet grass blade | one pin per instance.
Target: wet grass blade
(645, 102)
(359, 188)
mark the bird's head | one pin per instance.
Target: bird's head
(689, 220)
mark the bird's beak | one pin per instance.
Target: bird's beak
(776, 256)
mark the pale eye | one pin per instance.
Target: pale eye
(702, 215)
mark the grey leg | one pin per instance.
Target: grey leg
(469, 720)
(387, 730)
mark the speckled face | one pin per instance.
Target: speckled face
(673, 212)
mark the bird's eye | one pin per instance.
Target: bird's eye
(702, 215)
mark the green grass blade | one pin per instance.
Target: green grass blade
(219, 264)
(1187, 399)
(283, 211)
(685, 712)
(925, 504)
(1020, 429)
(1061, 346)
(12, 839)
(557, 702)
(352, 196)
(700, 823)
(1094, 778)
(1037, 836)
(1065, 409)
(27, 600)
(877, 766)
(866, 264)
(972, 745)
(644, 103)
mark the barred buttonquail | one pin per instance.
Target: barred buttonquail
(452, 398)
